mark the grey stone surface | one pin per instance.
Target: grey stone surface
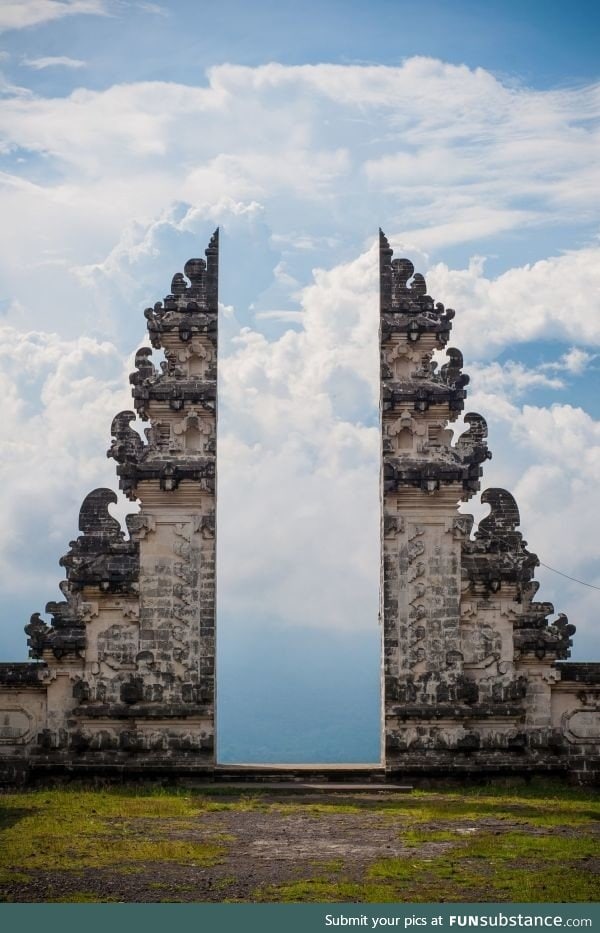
(127, 679)
(471, 679)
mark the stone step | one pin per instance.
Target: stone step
(313, 787)
(306, 774)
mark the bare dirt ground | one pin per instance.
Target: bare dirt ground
(275, 848)
(267, 848)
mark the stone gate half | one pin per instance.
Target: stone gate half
(127, 664)
(474, 675)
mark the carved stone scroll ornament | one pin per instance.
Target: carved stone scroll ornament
(127, 445)
(100, 558)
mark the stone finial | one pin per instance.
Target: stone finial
(188, 309)
(94, 518)
(100, 556)
(212, 272)
(127, 445)
(195, 269)
(451, 372)
(37, 631)
(404, 303)
(504, 518)
(144, 367)
(472, 445)
(202, 275)
(385, 272)
(478, 429)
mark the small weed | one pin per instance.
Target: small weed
(317, 809)
(318, 891)
(82, 897)
(331, 866)
(418, 837)
(243, 804)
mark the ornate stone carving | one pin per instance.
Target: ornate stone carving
(474, 669)
(463, 635)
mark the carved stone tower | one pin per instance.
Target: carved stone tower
(129, 656)
(470, 672)
(174, 477)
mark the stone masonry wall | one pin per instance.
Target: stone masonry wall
(471, 679)
(128, 675)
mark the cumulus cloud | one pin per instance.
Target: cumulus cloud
(298, 458)
(553, 299)
(439, 154)
(574, 361)
(286, 432)
(137, 177)
(503, 158)
(288, 450)
(59, 398)
(512, 379)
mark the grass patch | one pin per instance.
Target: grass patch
(81, 897)
(509, 866)
(67, 829)
(330, 865)
(243, 804)
(7, 876)
(317, 809)
(319, 891)
(540, 836)
(534, 807)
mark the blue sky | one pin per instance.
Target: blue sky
(544, 44)
(467, 130)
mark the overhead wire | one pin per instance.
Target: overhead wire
(567, 576)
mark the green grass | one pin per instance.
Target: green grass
(322, 892)
(75, 829)
(534, 843)
(539, 850)
(319, 809)
(541, 806)
(513, 867)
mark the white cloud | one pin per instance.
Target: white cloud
(59, 400)
(281, 316)
(439, 154)
(553, 299)
(511, 380)
(286, 436)
(287, 451)
(154, 8)
(574, 361)
(298, 472)
(18, 14)
(298, 164)
(53, 61)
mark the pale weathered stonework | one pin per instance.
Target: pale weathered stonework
(474, 672)
(125, 678)
(475, 679)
